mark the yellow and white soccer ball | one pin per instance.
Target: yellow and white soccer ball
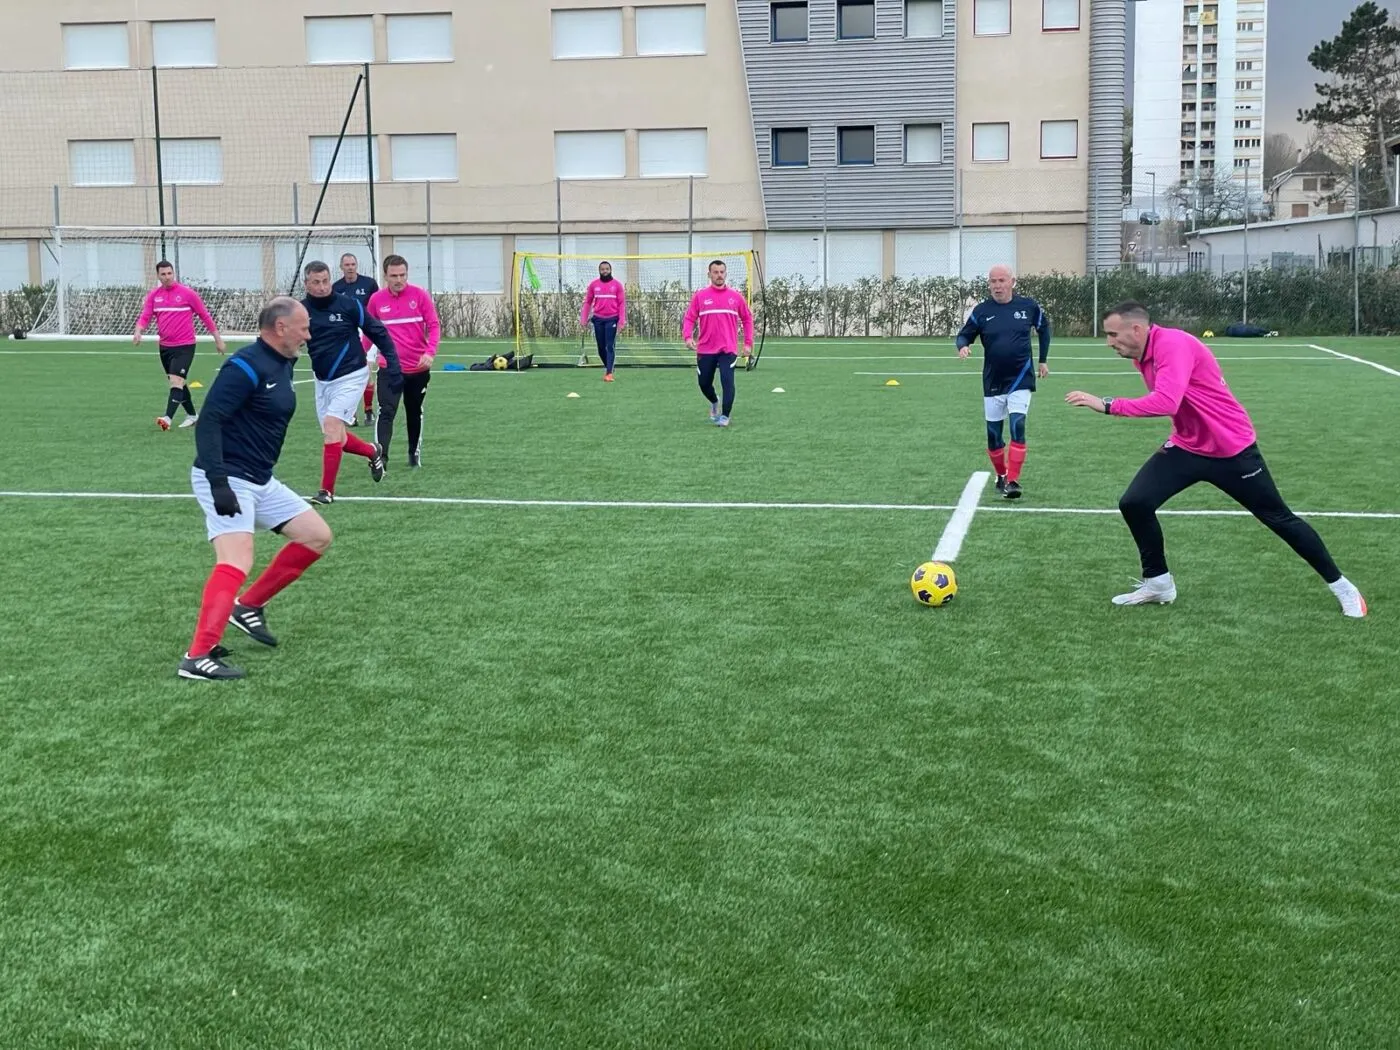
(499, 363)
(1207, 334)
(934, 584)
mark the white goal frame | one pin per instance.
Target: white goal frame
(54, 320)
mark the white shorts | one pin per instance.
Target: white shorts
(338, 398)
(260, 506)
(999, 407)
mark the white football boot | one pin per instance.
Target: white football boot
(1155, 590)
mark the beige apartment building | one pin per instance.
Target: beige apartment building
(839, 138)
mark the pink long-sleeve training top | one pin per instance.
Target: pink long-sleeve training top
(174, 309)
(604, 300)
(412, 321)
(718, 312)
(1186, 384)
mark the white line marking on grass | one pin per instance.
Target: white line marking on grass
(978, 374)
(950, 543)
(1359, 360)
(702, 505)
(853, 358)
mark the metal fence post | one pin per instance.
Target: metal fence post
(690, 220)
(175, 221)
(1245, 318)
(1356, 251)
(369, 145)
(1094, 255)
(160, 171)
(296, 205)
(826, 305)
(559, 232)
(428, 229)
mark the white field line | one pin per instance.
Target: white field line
(978, 374)
(950, 543)
(1359, 360)
(954, 357)
(1020, 508)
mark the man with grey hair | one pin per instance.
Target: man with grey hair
(1004, 323)
(239, 439)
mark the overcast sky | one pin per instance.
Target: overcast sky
(1295, 28)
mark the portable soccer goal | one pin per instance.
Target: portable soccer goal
(547, 293)
(98, 276)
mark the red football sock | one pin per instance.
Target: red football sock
(330, 464)
(219, 592)
(358, 446)
(1017, 459)
(369, 397)
(291, 561)
(998, 458)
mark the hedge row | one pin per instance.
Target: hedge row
(1297, 303)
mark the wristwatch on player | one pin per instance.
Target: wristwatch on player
(1108, 406)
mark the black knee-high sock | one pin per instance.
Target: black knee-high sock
(173, 400)
(189, 401)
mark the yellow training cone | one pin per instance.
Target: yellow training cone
(196, 385)
(891, 382)
(571, 394)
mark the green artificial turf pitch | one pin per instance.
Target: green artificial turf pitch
(546, 774)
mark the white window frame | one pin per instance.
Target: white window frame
(407, 168)
(560, 18)
(353, 146)
(930, 128)
(127, 159)
(1006, 126)
(346, 27)
(171, 162)
(572, 144)
(404, 31)
(927, 6)
(115, 35)
(172, 30)
(1058, 126)
(980, 21)
(647, 48)
(656, 147)
(1061, 25)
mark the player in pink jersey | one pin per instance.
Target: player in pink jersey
(605, 304)
(409, 314)
(718, 311)
(1212, 440)
(174, 307)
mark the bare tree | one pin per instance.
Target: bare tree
(1208, 201)
(1280, 154)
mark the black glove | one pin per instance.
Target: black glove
(225, 501)
(393, 381)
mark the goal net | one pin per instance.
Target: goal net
(547, 293)
(97, 277)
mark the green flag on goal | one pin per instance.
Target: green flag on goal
(531, 276)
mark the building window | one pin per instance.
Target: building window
(1059, 139)
(419, 38)
(923, 144)
(423, 158)
(789, 22)
(188, 44)
(855, 19)
(991, 17)
(102, 162)
(96, 45)
(789, 147)
(336, 41)
(1300, 211)
(350, 163)
(192, 162)
(594, 33)
(1059, 15)
(673, 153)
(590, 154)
(677, 29)
(991, 143)
(855, 145)
(923, 19)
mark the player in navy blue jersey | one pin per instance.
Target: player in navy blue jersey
(338, 361)
(1004, 324)
(239, 438)
(356, 284)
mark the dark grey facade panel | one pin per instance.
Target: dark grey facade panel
(826, 83)
(1108, 48)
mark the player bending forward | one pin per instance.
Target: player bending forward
(1004, 323)
(174, 306)
(1212, 440)
(719, 311)
(246, 414)
(341, 370)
